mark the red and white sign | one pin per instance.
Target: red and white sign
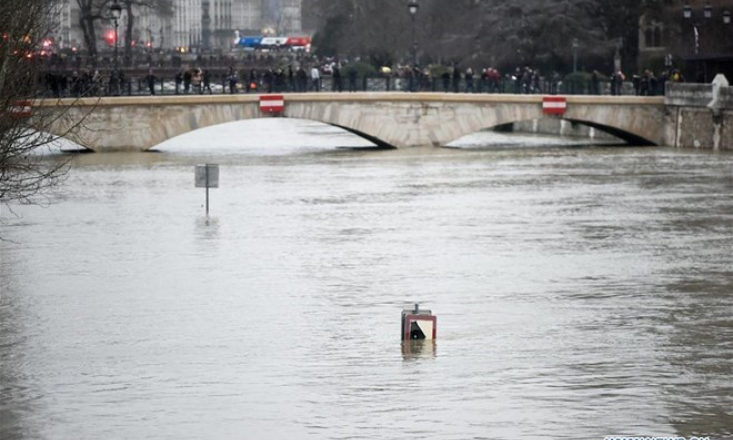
(425, 326)
(554, 105)
(272, 103)
(21, 109)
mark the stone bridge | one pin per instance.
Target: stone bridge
(388, 119)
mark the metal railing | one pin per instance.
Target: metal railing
(221, 84)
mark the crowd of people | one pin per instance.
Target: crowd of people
(336, 77)
(85, 83)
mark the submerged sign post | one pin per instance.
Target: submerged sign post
(418, 324)
(207, 176)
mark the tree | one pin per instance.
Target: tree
(482, 33)
(90, 12)
(162, 8)
(24, 174)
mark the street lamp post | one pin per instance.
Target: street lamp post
(116, 12)
(576, 44)
(150, 47)
(413, 8)
(707, 14)
(687, 13)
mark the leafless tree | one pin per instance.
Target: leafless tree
(162, 8)
(93, 12)
(25, 118)
(90, 12)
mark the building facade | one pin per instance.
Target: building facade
(688, 35)
(193, 25)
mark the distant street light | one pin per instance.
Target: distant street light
(116, 12)
(576, 44)
(413, 8)
(687, 12)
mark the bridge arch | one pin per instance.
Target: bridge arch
(569, 127)
(629, 138)
(266, 135)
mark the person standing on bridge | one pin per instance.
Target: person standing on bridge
(301, 80)
(615, 83)
(456, 78)
(469, 80)
(595, 83)
(446, 80)
(252, 81)
(337, 85)
(233, 79)
(207, 82)
(179, 81)
(315, 79)
(150, 80)
(187, 81)
(352, 79)
(197, 77)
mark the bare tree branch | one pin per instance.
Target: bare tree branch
(26, 174)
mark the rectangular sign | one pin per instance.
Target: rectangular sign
(21, 109)
(272, 103)
(422, 327)
(554, 105)
(207, 176)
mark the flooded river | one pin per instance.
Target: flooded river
(581, 292)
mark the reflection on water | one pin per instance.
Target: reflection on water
(581, 292)
(418, 349)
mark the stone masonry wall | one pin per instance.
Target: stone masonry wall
(697, 125)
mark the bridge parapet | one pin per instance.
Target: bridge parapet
(726, 97)
(697, 95)
(688, 95)
(702, 114)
